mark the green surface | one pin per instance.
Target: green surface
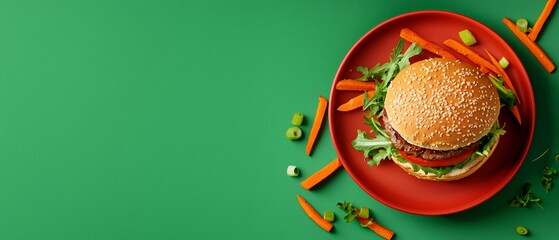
(166, 120)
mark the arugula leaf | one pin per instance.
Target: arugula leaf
(366, 73)
(377, 148)
(373, 121)
(397, 50)
(375, 104)
(376, 72)
(405, 61)
(525, 197)
(388, 70)
(390, 74)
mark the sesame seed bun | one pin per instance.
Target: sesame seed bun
(441, 104)
(455, 174)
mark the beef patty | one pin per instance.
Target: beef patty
(401, 144)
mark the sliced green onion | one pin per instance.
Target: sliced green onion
(328, 216)
(522, 25)
(521, 230)
(504, 63)
(363, 212)
(557, 156)
(292, 171)
(467, 37)
(297, 119)
(293, 133)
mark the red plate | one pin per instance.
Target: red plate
(389, 184)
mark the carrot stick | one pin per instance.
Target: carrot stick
(321, 174)
(413, 37)
(467, 52)
(516, 114)
(376, 227)
(531, 45)
(355, 85)
(355, 102)
(483, 69)
(502, 72)
(309, 210)
(541, 19)
(317, 123)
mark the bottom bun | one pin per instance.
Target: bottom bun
(455, 174)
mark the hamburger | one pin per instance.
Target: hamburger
(441, 116)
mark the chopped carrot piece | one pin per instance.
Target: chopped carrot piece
(470, 54)
(355, 102)
(531, 45)
(321, 174)
(317, 123)
(541, 19)
(355, 85)
(309, 210)
(413, 37)
(376, 227)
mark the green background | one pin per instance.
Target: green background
(166, 120)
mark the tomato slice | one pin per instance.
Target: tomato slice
(441, 162)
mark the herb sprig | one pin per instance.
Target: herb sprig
(525, 198)
(347, 207)
(548, 174)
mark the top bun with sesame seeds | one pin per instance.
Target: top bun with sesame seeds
(441, 104)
